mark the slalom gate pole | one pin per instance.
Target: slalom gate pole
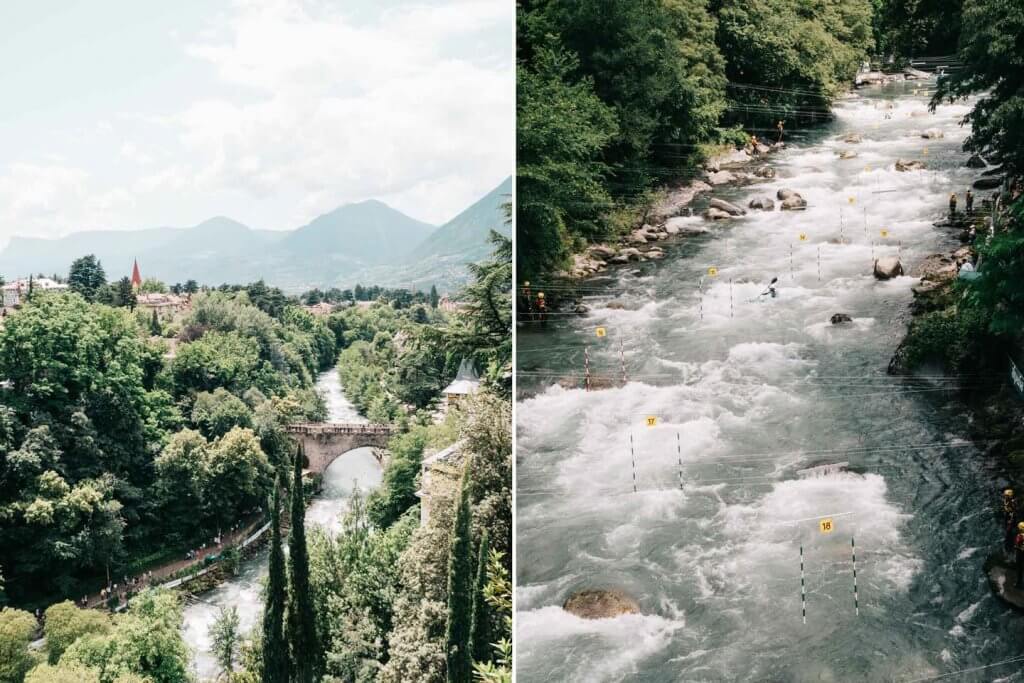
(586, 367)
(679, 452)
(730, 298)
(853, 556)
(819, 263)
(622, 361)
(792, 275)
(632, 455)
(803, 589)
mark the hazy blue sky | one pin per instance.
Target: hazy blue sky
(127, 114)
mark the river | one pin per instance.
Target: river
(358, 467)
(743, 399)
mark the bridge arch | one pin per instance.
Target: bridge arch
(325, 442)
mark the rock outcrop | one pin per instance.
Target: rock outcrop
(840, 318)
(728, 207)
(600, 604)
(888, 267)
(909, 165)
(762, 203)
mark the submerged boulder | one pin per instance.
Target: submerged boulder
(909, 165)
(976, 161)
(853, 138)
(840, 318)
(728, 207)
(713, 214)
(847, 154)
(888, 267)
(933, 134)
(794, 203)
(762, 203)
(721, 177)
(990, 183)
(600, 604)
(765, 172)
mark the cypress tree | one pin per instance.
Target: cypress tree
(460, 592)
(154, 324)
(301, 628)
(481, 633)
(275, 647)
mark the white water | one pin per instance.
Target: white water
(244, 592)
(745, 396)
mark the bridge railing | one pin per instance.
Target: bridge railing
(339, 428)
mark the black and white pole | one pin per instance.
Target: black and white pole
(679, 453)
(853, 556)
(865, 221)
(586, 368)
(730, 298)
(803, 589)
(700, 289)
(632, 456)
(622, 361)
(819, 263)
(792, 275)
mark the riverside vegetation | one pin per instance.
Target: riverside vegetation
(125, 438)
(618, 101)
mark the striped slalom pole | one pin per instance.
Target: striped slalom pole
(819, 263)
(730, 298)
(622, 361)
(792, 275)
(803, 589)
(865, 221)
(679, 453)
(586, 367)
(632, 455)
(853, 555)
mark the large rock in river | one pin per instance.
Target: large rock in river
(714, 214)
(911, 165)
(721, 177)
(765, 172)
(728, 207)
(888, 267)
(785, 193)
(794, 203)
(684, 226)
(990, 183)
(763, 203)
(933, 134)
(976, 161)
(600, 604)
(840, 318)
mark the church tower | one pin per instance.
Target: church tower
(136, 278)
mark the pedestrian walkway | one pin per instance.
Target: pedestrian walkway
(161, 574)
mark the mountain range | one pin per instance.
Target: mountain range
(366, 242)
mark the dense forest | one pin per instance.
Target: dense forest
(126, 439)
(619, 98)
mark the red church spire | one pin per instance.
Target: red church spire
(136, 278)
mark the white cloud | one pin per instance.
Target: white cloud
(345, 111)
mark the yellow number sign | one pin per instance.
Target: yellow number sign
(803, 237)
(924, 151)
(851, 199)
(867, 169)
(601, 332)
(826, 525)
(652, 420)
(712, 271)
(884, 233)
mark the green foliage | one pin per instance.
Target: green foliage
(16, 630)
(458, 641)
(216, 413)
(152, 286)
(65, 623)
(220, 359)
(993, 64)
(498, 594)
(145, 641)
(225, 639)
(955, 337)
(562, 128)
(397, 492)
(480, 632)
(912, 28)
(301, 623)
(274, 645)
(86, 277)
(1000, 290)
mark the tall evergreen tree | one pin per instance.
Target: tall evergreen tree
(301, 627)
(458, 648)
(154, 324)
(434, 298)
(86, 277)
(275, 647)
(481, 634)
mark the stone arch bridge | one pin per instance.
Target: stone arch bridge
(324, 442)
